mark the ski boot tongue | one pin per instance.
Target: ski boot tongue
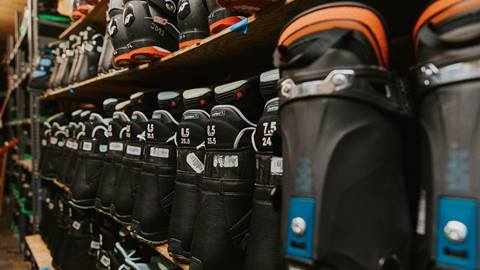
(448, 30)
(226, 127)
(244, 95)
(172, 103)
(198, 98)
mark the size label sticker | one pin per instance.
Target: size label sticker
(159, 152)
(116, 146)
(95, 245)
(225, 161)
(195, 163)
(76, 225)
(105, 261)
(69, 144)
(75, 145)
(276, 166)
(53, 140)
(422, 213)
(44, 142)
(87, 146)
(134, 150)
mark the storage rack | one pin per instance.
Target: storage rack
(242, 50)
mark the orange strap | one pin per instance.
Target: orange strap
(442, 10)
(347, 17)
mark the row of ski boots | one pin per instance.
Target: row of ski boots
(143, 31)
(345, 194)
(80, 241)
(81, 57)
(167, 175)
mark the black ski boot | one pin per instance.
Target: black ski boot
(264, 241)
(94, 145)
(106, 62)
(113, 158)
(447, 47)
(227, 185)
(86, 63)
(220, 17)
(41, 75)
(153, 201)
(151, 28)
(71, 145)
(49, 142)
(345, 204)
(118, 34)
(192, 19)
(73, 160)
(190, 167)
(129, 173)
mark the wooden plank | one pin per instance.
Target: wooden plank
(163, 250)
(40, 252)
(61, 186)
(96, 18)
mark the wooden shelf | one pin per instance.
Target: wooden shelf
(19, 122)
(60, 185)
(240, 51)
(163, 250)
(96, 18)
(40, 252)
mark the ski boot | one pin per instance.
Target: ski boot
(220, 17)
(247, 6)
(345, 204)
(88, 54)
(224, 211)
(447, 47)
(116, 146)
(87, 65)
(70, 144)
(118, 34)
(94, 145)
(151, 28)
(41, 75)
(80, 9)
(129, 171)
(264, 236)
(106, 63)
(73, 160)
(192, 20)
(49, 142)
(190, 156)
(153, 201)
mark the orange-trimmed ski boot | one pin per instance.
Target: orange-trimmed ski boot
(344, 197)
(447, 46)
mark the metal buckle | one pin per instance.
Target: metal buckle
(430, 75)
(336, 80)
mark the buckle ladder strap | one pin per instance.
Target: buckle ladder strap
(429, 76)
(345, 83)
